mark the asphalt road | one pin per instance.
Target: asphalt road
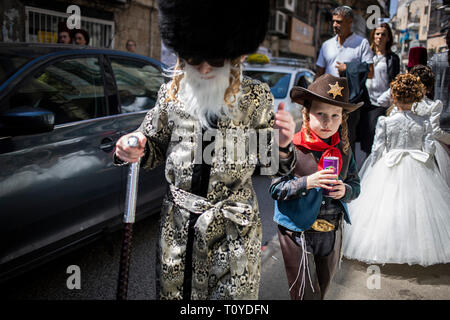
(98, 263)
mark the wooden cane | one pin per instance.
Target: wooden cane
(128, 220)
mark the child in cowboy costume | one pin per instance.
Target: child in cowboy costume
(309, 223)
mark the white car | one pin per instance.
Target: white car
(281, 79)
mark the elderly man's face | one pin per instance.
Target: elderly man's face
(341, 25)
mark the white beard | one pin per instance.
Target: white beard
(204, 98)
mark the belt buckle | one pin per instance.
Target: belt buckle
(322, 225)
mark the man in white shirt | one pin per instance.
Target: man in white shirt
(346, 46)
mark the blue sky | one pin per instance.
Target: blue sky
(393, 8)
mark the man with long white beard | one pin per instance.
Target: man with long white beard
(212, 127)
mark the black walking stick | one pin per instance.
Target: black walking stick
(128, 220)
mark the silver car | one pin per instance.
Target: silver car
(281, 79)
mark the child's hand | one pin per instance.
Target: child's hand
(285, 123)
(321, 179)
(338, 190)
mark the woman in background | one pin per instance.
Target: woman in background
(386, 67)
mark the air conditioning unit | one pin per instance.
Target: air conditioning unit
(278, 22)
(286, 5)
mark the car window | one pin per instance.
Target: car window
(9, 64)
(138, 83)
(72, 89)
(277, 81)
(304, 79)
(309, 77)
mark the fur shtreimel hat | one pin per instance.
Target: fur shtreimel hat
(213, 29)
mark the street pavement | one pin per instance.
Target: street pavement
(356, 280)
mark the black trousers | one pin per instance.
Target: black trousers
(323, 253)
(352, 124)
(367, 125)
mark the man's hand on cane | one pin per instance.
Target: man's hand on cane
(127, 153)
(286, 126)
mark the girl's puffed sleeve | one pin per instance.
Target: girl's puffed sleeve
(435, 115)
(428, 141)
(157, 129)
(379, 141)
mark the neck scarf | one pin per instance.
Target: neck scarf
(314, 143)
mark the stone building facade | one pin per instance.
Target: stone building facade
(110, 23)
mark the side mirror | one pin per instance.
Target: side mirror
(26, 120)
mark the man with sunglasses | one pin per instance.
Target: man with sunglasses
(212, 128)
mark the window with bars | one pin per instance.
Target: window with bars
(42, 26)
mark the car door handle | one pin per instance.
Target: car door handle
(107, 144)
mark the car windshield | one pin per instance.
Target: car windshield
(9, 64)
(277, 81)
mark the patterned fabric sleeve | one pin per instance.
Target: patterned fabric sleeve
(435, 116)
(379, 142)
(288, 187)
(157, 129)
(263, 118)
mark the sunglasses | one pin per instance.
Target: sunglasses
(195, 61)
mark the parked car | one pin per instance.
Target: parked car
(62, 109)
(281, 75)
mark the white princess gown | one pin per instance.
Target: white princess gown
(403, 212)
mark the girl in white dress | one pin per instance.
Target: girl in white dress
(403, 212)
(433, 108)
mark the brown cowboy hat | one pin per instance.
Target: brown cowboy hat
(328, 89)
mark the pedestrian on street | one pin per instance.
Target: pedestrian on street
(131, 46)
(201, 128)
(402, 214)
(348, 55)
(64, 33)
(440, 65)
(80, 37)
(309, 222)
(432, 108)
(386, 67)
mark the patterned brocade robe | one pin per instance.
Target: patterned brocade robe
(209, 246)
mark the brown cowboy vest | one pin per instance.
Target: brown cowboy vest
(307, 164)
